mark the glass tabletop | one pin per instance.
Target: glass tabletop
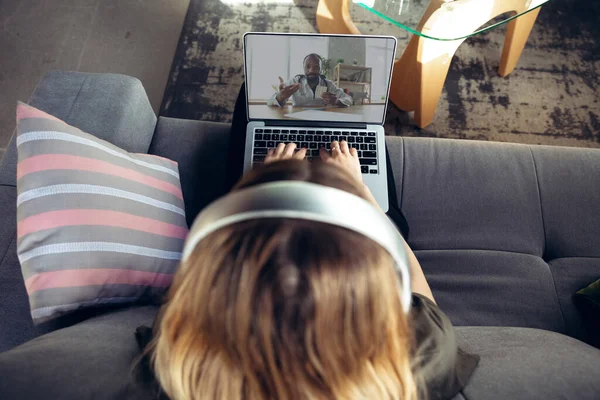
(449, 19)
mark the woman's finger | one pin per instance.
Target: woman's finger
(324, 154)
(269, 157)
(344, 147)
(279, 149)
(335, 148)
(289, 150)
(300, 154)
(353, 152)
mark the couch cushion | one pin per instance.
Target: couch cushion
(93, 359)
(96, 224)
(484, 287)
(569, 180)
(459, 194)
(521, 363)
(200, 149)
(90, 360)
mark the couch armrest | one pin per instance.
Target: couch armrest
(110, 106)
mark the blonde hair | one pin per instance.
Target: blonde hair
(285, 309)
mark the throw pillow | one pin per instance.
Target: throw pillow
(96, 225)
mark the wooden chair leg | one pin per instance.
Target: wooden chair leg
(333, 16)
(419, 76)
(517, 33)
(406, 81)
(432, 75)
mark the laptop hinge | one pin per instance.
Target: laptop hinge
(316, 124)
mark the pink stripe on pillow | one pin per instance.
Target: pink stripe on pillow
(47, 162)
(25, 111)
(55, 219)
(91, 277)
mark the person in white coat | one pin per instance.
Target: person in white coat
(310, 89)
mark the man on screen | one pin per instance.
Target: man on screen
(310, 89)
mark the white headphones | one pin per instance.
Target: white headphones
(307, 201)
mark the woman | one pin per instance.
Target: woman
(253, 315)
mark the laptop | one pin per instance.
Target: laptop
(312, 89)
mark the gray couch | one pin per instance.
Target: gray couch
(506, 234)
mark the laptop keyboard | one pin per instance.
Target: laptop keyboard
(365, 142)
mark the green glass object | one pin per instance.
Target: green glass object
(453, 14)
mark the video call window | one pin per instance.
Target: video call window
(329, 78)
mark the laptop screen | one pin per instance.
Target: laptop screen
(341, 78)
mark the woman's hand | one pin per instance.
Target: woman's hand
(344, 157)
(340, 155)
(347, 158)
(284, 151)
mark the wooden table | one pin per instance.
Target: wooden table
(419, 75)
(365, 112)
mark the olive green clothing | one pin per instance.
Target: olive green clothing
(441, 368)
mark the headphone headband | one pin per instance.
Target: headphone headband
(307, 201)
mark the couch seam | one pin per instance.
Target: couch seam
(403, 169)
(510, 252)
(475, 249)
(462, 392)
(562, 315)
(537, 181)
(507, 251)
(76, 98)
(10, 244)
(545, 245)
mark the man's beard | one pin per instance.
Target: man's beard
(312, 79)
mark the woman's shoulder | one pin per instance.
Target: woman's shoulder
(428, 319)
(441, 367)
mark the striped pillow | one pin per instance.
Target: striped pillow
(96, 225)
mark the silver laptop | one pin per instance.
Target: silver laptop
(313, 89)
